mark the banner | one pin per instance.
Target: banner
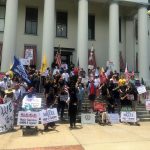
(147, 103)
(141, 89)
(18, 68)
(6, 117)
(113, 118)
(87, 118)
(49, 115)
(128, 116)
(31, 103)
(28, 118)
(24, 61)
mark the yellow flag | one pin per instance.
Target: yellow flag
(44, 64)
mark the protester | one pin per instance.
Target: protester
(80, 95)
(63, 97)
(73, 101)
(50, 101)
(92, 93)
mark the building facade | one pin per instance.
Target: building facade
(118, 30)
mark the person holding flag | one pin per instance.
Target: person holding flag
(19, 69)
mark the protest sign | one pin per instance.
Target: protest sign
(141, 89)
(128, 116)
(49, 115)
(113, 118)
(147, 103)
(26, 118)
(31, 103)
(6, 117)
(87, 118)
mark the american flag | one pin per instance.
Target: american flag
(58, 59)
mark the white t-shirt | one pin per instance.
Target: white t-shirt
(65, 76)
(96, 82)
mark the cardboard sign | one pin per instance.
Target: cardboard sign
(28, 118)
(49, 115)
(141, 89)
(6, 117)
(147, 104)
(88, 118)
(31, 103)
(113, 118)
(128, 116)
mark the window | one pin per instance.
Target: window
(61, 24)
(31, 21)
(91, 27)
(136, 30)
(2, 14)
(120, 29)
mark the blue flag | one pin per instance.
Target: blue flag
(18, 68)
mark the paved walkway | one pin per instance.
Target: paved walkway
(90, 137)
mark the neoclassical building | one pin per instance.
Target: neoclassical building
(118, 30)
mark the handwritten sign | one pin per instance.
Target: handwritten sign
(49, 115)
(28, 118)
(33, 102)
(6, 117)
(147, 104)
(113, 118)
(141, 89)
(129, 116)
(88, 118)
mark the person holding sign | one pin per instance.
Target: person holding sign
(62, 99)
(50, 100)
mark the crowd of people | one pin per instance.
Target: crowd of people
(68, 88)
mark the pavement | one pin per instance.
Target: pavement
(87, 137)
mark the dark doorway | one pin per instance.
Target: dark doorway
(66, 54)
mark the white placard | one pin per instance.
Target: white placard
(26, 118)
(88, 118)
(147, 104)
(31, 103)
(49, 115)
(6, 117)
(128, 116)
(141, 89)
(113, 118)
(24, 61)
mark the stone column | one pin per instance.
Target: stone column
(48, 31)
(9, 39)
(82, 37)
(114, 35)
(143, 43)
